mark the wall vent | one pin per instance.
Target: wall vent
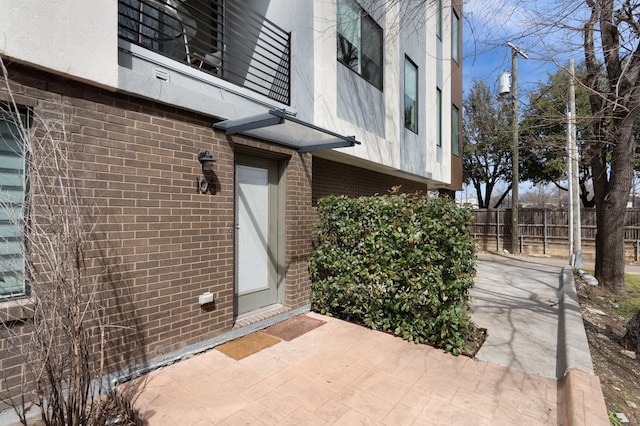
(161, 74)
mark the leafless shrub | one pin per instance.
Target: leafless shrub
(63, 334)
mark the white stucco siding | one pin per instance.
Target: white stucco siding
(324, 51)
(77, 38)
(380, 139)
(443, 49)
(296, 17)
(437, 61)
(393, 84)
(409, 33)
(413, 146)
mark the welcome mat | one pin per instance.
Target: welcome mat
(247, 345)
(294, 327)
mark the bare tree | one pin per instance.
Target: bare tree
(544, 196)
(486, 155)
(607, 33)
(612, 49)
(66, 327)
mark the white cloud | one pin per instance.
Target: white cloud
(496, 19)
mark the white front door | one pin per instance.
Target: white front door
(256, 233)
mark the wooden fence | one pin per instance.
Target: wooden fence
(546, 231)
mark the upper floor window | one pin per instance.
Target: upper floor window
(455, 131)
(410, 95)
(439, 19)
(12, 184)
(359, 42)
(438, 117)
(455, 37)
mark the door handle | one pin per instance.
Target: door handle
(237, 226)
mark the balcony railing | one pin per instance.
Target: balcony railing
(224, 38)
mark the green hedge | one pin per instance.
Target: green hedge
(398, 263)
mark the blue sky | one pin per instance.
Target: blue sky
(489, 24)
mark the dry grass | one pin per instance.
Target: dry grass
(605, 316)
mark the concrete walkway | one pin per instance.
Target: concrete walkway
(341, 373)
(517, 302)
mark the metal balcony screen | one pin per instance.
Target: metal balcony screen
(224, 38)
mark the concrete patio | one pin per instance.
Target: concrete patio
(341, 373)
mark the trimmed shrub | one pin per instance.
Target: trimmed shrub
(397, 263)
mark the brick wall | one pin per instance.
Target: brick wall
(330, 177)
(300, 218)
(156, 242)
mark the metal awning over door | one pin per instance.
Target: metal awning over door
(279, 128)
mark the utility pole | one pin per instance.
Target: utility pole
(576, 243)
(515, 51)
(570, 178)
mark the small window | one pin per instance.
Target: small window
(455, 131)
(410, 95)
(438, 117)
(455, 38)
(359, 42)
(12, 191)
(439, 19)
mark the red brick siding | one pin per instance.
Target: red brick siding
(330, 177)
(300, 218)
(157, 243)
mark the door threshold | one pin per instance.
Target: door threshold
(258, 315)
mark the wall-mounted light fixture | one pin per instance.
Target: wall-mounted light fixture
(207, 162)
(206, 184)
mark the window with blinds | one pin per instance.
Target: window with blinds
(12, 191)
